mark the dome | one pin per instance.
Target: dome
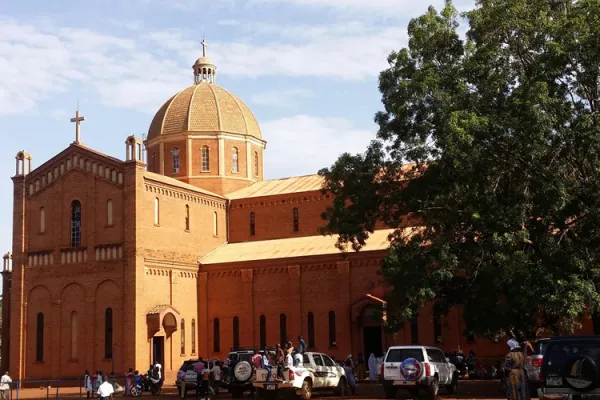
(204, 107)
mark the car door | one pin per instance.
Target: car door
(439, 361)
(320, 371)
(333, 374)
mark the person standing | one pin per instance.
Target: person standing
(372, 368)
(217, 376)
(128, 381)
(5, 382)
(350, 376)
(106, 390)
(360, 367)
(301, 345)
(266, 364)
(199, 370)
(517, 387)
(256, 359)
(87, 384)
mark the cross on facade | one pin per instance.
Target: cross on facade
(78, 119)
(204, 45)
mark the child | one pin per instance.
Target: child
(350, 376)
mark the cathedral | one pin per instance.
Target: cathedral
(183, 250)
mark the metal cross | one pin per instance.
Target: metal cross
(204, 45)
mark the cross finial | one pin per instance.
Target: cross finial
(77, 121)
(204, 45)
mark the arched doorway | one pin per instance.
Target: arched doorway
(372, 330)
(162, 322)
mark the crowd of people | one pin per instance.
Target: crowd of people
(103, 386)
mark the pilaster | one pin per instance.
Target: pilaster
(247, 315)
(17, 315)
(221, 156)
(90, 338)
(343, 311)
(202, 331)
(161, 158)
(132, 352)
(54, 333)
(296, 319)
(249, 163)
(188, 152)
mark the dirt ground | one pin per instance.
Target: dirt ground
(466, 390)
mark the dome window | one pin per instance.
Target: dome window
(235, 166)
(175, 153)
(205, 159)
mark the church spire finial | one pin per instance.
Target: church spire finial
(204, 68)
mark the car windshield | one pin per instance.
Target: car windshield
(245, 357)
(559, 353)
(187, 365)
(399, 355)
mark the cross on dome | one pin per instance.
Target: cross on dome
(204, 69)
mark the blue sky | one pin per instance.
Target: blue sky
(307, 68)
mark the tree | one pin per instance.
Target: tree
(501, 135)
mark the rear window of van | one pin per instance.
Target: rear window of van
(399, 355)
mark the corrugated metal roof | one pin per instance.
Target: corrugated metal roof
(291, 247)
(272, 187)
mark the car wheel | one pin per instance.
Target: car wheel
(453, 386)
(306, 391)
(390, 392)
(433, 389)
(342, 388)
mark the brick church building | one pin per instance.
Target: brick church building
(184, 250)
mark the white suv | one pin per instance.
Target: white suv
(317, 372)
(427, 372)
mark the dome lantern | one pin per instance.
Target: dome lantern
(205, 70)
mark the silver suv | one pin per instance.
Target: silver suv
(418, 369)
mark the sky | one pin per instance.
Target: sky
(308, 69)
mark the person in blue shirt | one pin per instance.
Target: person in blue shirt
(301, 345)
(266, 364)
(350, 376)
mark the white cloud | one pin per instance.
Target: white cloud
(59, 114)
(401, 8)
(283, 98)
(302, 145)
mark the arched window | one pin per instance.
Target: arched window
(255, 163)
(215, 225)
(187, 217)
(311, 330)
(332, 333)
(235, 166)
(252, 224)
(263, 331)
(282, 329)
(75, 224)
(175, 153)
(109, 212)
(236, 333)
(156, 211)
(108, 333)
(182, 336)
(216, 336)
(296, 220)
(39, 338)
(74, 334)
(205, 159)
(193, 336)
(42, 220)
(414, 329)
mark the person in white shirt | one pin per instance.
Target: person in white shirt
(217, 375)
(5, 382)
(106, 390)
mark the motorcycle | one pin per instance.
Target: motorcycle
(147, 384)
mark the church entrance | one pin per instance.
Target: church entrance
(372, 341)
(158, 350)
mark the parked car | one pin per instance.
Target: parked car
(418, 369)
(317, 372)
(186, 373)
(570, 368)
(238, 376)
(533, 363)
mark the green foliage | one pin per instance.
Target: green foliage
(503, 131)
